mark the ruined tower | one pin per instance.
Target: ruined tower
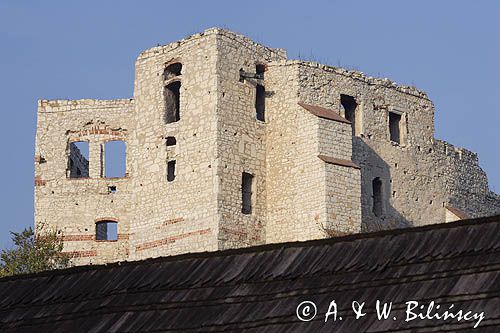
(226, 144)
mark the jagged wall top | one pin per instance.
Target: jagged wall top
(281, 59)
(278, 53)
(357, 75)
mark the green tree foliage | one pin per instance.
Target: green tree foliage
(33, 253)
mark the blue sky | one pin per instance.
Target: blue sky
(86, 49)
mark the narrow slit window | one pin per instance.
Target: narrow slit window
(395, 127)
(377, 208)
(242, 75)
(349, 104)
(115, 159)
(172, 102)
(171, 170)
(247, 193)
(78, 161)
(106, 231)
(260, 102)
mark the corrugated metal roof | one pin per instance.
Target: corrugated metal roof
(258, 289)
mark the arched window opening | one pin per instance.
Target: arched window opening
(172, 102)
(377, 208)
(172, 71)
(115, 159)
(78, 161)
(106, 230)
(171, 141)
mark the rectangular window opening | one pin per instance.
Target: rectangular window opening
(171, 141)
(260, 102)
(349, 105)
(246, 192)
(377, 208)
(171, 171)
(78, 162)
(115, 159)
(172, 102)
(259, 71)
(395, 127)
(106, 230)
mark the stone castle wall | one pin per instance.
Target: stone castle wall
(295, 195)
(241, 140)
(308, 198)
(74, 205)
(313, 172)
(180, 215)
(466, 183)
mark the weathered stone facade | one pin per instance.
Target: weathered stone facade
(229, 144)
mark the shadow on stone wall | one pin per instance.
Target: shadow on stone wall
(372, 166)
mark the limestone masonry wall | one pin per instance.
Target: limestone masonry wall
(229, 144)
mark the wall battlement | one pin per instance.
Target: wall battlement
(228, 144)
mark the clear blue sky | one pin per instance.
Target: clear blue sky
(86, 49)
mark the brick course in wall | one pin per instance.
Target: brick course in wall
(240, 107)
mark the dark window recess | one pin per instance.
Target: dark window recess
(171, 170)
(259, 71)
(377, 208)
(260, 102)
(350, 105)
(171, 141)
(172, 71)
(115, 159)
(106, 230)
(246, 193)
(78, 161)
(111, 189)
(242, 75)
(394, 127)
(172, 102)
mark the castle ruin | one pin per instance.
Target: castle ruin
(227, 143)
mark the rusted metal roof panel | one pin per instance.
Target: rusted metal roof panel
(324, 112)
